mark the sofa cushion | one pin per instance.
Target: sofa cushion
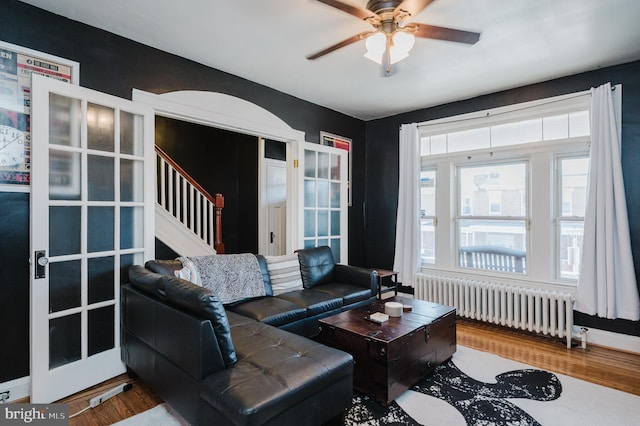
(165, 267)
(145, 280)
(314, 301)
(270, 310)
(275, 371)
(350, 293)
(284, 272)
(316, 265)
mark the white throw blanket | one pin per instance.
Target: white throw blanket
(231, 277)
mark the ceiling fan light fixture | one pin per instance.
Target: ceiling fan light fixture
(394, 33)
(403, 41)
(402, 44)
(397, 55)
(376, 44)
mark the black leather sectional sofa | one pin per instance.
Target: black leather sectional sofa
(247, 363)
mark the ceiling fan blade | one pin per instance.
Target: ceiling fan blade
(353, 10)
(343, 43)
(448, 34)
(412, 7)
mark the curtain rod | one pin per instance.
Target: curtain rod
(496, 114)
(564, 98)
(572, 96)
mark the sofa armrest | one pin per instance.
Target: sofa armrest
(192, 299)
(151, 327)
(364, 277)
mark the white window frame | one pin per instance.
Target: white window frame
(559, 216)
(542, 246)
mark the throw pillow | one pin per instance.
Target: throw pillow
(284, 272)
(188, 272)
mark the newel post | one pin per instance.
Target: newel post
(218, 244)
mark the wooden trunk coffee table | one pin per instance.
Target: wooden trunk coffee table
(392, 356)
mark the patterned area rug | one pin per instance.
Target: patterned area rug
(478, 402)
(477, 388)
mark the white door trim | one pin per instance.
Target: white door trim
(238, 115)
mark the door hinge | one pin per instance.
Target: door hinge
(295, 164)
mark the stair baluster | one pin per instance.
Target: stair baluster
(188, 202)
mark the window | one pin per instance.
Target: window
(428, 216)
(572, 180)
(492, 216)
(503, 192)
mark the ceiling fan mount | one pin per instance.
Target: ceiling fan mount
(389, 18)
(382, 6)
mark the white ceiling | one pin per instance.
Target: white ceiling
(266, 41)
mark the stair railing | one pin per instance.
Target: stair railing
(188, 202)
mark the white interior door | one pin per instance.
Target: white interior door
(324, 199)
(92, 203)
(276, 224)
(276, 203)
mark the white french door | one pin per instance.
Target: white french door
(324, 199)
(92, 201)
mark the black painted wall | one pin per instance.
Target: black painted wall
(221, 161)
(382, 161)
(115, 65)
(14, 285)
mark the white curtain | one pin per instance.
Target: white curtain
(607, 285)
(407, 254)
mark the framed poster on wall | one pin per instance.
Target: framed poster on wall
(329, 139)
(17, 65)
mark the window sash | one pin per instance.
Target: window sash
(568, 241)
(428, 220)
(543, 238)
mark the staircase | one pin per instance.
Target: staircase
(188, 218)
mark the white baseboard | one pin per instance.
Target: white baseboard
(621, 342)
(18, 388)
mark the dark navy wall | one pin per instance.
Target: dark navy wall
(382, 161)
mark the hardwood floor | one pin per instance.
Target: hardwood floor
(136, 400)
(602, 366)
